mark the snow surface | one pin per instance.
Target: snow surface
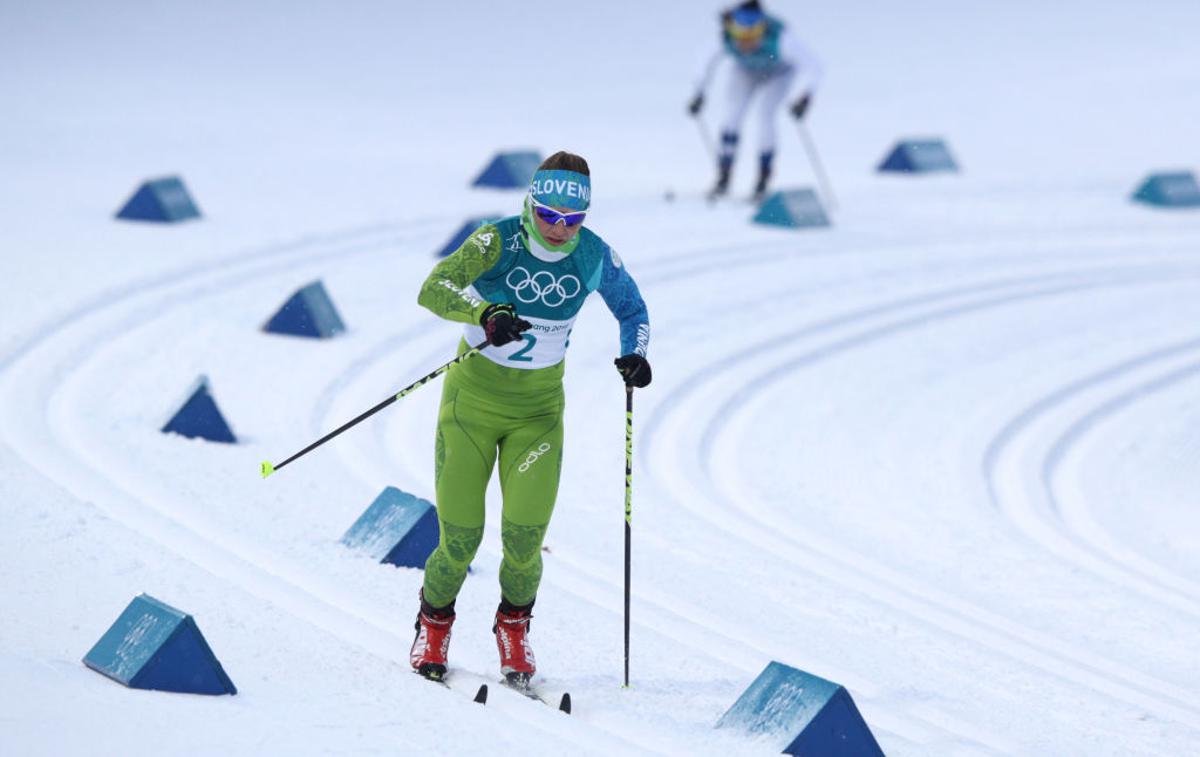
(943, 453)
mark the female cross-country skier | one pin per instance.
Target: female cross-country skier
(517, 283)
(770, 60)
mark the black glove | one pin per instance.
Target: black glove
(635, 369)
(696, 104)
(501, 324)
(800, 107)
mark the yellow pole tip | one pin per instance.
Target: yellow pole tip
(267, 469)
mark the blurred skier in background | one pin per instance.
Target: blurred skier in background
(769, 60)
(517, 284)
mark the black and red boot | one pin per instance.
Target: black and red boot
(428, 655)
(512, 639)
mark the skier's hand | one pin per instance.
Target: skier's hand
(635, 369)
(502, 325)
(695, 104)
(800, 107)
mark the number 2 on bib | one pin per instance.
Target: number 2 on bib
(520, 355)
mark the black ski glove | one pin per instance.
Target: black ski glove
(696, 104)
(501, 324)
(800, 107)
(635, 369)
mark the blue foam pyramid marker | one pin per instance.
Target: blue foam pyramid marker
(806, 714)
(199, 416)
(1176, 189)
(463, 232)
(154, 646)
(164, 200)
(398, 528)
(509, 170)
(919, 156)
(793, 208)
(309, 312)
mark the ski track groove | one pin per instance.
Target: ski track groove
(255, 255)
(712, 433)
(1074, 436)
(1099, 554)
(1037, 649)
(268, 578)
(713, 373)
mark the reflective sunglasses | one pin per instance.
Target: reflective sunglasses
(746, 32)
(552, 216)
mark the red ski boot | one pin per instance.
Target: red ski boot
(512, 639)
(428, 655)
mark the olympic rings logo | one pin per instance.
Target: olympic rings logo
(542, 285)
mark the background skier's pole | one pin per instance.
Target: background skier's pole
(815, 160)
(628, 512)
(708, 145)
(267, 468)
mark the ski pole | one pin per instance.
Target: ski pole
(815, 160)
(708, 145)
(628, 512)
(268, 468)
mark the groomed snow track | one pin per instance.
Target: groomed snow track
(692, 432)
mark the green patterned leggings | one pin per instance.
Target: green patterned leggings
(526, 435)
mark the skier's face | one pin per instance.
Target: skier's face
(748, 44)
(559, 233)
(747, 39)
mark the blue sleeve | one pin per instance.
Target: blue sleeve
(621, 294)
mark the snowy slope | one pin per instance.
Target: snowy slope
(942, 453)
